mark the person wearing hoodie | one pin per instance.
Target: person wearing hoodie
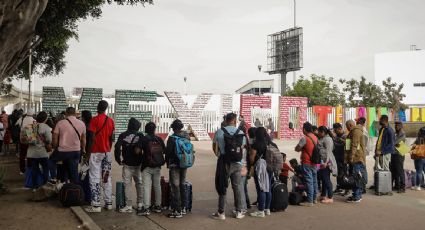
(328, 164)
(355, 157)
(177, 174)
(152, 159)
(128, 154)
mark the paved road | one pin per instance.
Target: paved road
(404, 211)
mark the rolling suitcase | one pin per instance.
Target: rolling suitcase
(188, 194)
(408, 178)
(383, 183)
(280, 196)
(165, 193)
(119, 195)
(295, 198)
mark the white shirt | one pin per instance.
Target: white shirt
(28, 120)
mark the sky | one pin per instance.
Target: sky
(218, 44)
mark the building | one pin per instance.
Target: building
(256, 86)
(407, 67)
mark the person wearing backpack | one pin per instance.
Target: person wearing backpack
(263, 174)
(307, 146)
(38, 152)
(153, 158)
(355, 157)
(100, 161)
(178, 146)
(69, 138)
(228, 145)
(128, 154)
(26, 119)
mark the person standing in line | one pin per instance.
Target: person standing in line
(270, 128)
(177, 175)
(385, 144)
(339, 151)
(26, 119)
(152, 160)
(100, 161)
(306, 147)
(86, 117)
(127, 147)
(328, 164)
(38, 153)
(258, 123)
(397, 159)
(419, 162)
(69, 138)
(355, 157)
(231, 167)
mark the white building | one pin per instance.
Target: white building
(407, 67)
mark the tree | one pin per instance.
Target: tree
(319, 89)
(44, 27)
(368, 94)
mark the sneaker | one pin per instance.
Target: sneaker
(144, 212)
(239, 215)
(92, 209)
(218, 216)
(126, 209)
(158, 209)
(175, 214)
(307, 204)
(259, 214)
(418, 188)
(267, 212)
(243, 211)
(315, 201)
(184, 212)
(327, 201)
(353, 200)
(108, 207)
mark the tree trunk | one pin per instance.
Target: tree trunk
(18, 19)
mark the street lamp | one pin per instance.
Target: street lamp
(259, 81)
(295, 25)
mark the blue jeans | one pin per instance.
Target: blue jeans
(35, 164)
(70, 160)
(327, 187)
(244, 192)
(310, 177)
(420, 169)
(264, 199)
(360, 174)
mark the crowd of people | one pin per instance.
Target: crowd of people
(56, 147)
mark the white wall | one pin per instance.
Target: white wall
(406, 67)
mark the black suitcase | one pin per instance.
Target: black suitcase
(295, 198)
(71, 195)
(188, 196)
(280, 197)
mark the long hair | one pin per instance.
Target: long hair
(262, 139)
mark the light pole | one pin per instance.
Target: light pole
(259, 81)
(29, 79)
(295, 25)
(185, 85)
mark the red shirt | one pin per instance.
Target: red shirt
(307, 150)
(102, 143)
(285, 170)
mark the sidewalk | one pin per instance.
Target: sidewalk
(18, 212)
(400, 211)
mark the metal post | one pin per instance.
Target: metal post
(295, 25)
(259, 80)
(29, 79)
(185, 85)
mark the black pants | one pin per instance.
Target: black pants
(397, 171)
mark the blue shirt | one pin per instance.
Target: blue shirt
(219, 137)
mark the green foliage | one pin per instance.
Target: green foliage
(57, 25)
(368, 94)
(319, 89)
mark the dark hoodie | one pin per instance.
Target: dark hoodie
(124, 145)
(170, 152)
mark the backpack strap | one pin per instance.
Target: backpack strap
(76, 131)
(227, 132)
(103, 126)
(313, 144)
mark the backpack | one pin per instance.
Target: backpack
(315, 157)
(132, 148)
(29, 134)
(233, 146)
(155, 155)
(71, 195)
(274, 159)
(184, 152)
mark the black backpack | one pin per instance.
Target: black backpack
(315, 157)
(71, 195)
(155, 153)
(233, 146)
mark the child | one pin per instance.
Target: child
(297, 179)
(128, 146)
(285, 171)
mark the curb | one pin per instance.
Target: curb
(86, 220)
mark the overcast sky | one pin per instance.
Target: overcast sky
(218, 44)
